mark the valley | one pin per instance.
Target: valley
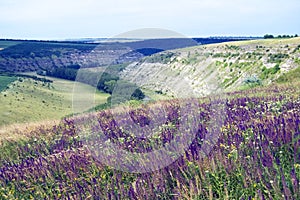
(215, 121)
(150, 100)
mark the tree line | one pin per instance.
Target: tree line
(107, 81)
(269, 36)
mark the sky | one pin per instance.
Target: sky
(70, 19)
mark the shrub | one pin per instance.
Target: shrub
(267, 36)
(252, 81)
(267, 72)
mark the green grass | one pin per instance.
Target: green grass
(230, 171)
(289, 77)
(5, 81)
(266, 73)
(5, 44)
(276, 41)
(28, 100)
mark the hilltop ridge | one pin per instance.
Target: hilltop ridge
(214, 67)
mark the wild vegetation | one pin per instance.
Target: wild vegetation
(5, 81)
(256, 154)
(241, 144)
(105, 81)
(227, 66)
(24, 56)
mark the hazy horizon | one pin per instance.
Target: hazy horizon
(133, 38)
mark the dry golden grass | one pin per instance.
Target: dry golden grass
(20, 131)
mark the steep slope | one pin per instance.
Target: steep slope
(210, 68)
(32, 55)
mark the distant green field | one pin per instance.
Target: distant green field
(5, 81)
(276, 41)
(28, 100)
(5, 44)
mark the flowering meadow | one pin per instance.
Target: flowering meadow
(253, 152)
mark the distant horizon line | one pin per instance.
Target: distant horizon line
(123, 38)
(112, 38)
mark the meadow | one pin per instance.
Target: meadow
(25, 100)
(255, 155)
(5, 81)
(56, 142)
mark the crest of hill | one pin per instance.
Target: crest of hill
(216, 67)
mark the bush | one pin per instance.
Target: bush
(266, 72)
(252, 81)
(138, 94)
(109, 86)
(277, 58)
(160, 58)
(267, 36)
(64, 73)
(124, 91)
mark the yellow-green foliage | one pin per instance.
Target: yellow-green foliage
(291, 76)
(5, 81)
(27, 100)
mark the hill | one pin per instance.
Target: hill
(216, 67)
(233, 145)
(252, 154)
(25, 100)
(27, 55)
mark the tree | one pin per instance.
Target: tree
(109, 86)
(105, 77)
(267, 36)
(138, 94)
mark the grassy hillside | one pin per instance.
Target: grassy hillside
(242, 144)
(255, 154)
(28, 100)
(290, 77)
(216, 67)
(24, 56)
(5, 81)
(4, 44)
